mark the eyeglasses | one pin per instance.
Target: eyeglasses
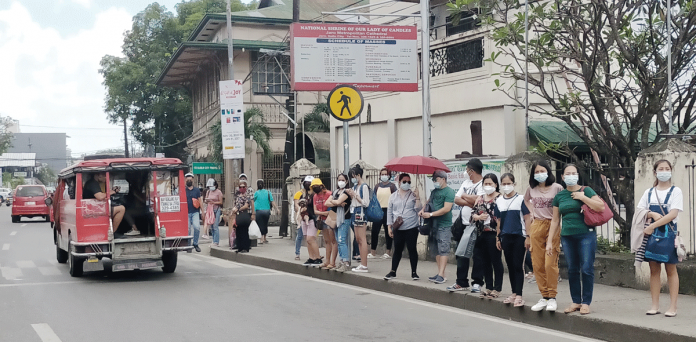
(405, 182)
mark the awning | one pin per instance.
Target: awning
(559, 132)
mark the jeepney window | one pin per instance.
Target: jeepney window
(166, 182)
(69, 190)
(118, 179)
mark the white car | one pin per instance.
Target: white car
(4, 193)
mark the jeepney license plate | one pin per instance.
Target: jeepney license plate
(31, 203)
(136, 248)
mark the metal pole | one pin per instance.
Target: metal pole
(303, 139)
(526, 71)
(346, 156)
(669, 64)
(360, 137)
(294, 130)
(425, 74)
(125, 137)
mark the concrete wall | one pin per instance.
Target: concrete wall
(50, 148)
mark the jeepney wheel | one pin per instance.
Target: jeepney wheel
(61, 255)
(15, 219)
(75, 263)
(169, 259)
(47, 218)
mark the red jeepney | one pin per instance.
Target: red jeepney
(148, 189)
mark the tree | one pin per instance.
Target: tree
(601, 67)
(190, 13)
(318, 119)
(5, 134)
(254, 128)
(46, 175)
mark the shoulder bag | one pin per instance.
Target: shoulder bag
(660, 246)
(594, 218)
(374, 212)
(400, 220)
(426, 224)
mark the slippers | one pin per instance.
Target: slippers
(670, 314)
(572, 308)
(652, 312)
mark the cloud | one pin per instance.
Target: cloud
(53, 80)
(86, 3)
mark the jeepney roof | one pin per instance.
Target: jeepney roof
(122, 164)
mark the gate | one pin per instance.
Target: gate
(272, 174)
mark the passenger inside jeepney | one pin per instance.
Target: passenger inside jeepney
(137, 201)
(95, 188)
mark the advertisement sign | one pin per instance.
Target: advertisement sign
(368, 57)
(20, 174)
(206, 169)
(232, 119)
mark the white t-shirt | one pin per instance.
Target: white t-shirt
(676, 200)
(468, 187)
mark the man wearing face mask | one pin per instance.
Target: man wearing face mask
(442, 199)
(466, 197)
(382, 191)
(194, 212)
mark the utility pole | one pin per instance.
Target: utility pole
(669, 65)
(425, 75)
(526, 71)
(230, 76)
(125, 137)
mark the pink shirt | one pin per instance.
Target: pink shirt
(215, 196)
(541, 201)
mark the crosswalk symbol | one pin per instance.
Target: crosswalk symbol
(345, 103)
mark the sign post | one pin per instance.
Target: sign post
(345, 104)
(232, 119)
(206, 168)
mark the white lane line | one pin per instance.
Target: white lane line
(26, 264)
(13, 233)
(433, 306)
(45, 332)
(50, 271)
(5, 246)
(24, 225)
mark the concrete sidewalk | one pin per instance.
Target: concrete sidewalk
(618, 314)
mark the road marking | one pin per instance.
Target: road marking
(50, 271)
(24, 225)
(10, 273)
(26, 264)
(45, 332)
(433, 306)
(13, 233)
(5, 246)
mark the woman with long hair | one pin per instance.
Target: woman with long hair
(487, 256)
(360, 195)
(263, 204)
(340, 202)
(383, 191)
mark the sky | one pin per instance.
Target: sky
(49, 62)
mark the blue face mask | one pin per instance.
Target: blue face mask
(354, 180)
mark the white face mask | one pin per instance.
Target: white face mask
(341, 184)
(405, 186)
(541, 177)
(384, 178)
(506, 189)
(212, 188)
(664, 176)
(571, 180)
(488, 189)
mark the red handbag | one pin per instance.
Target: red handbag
(594, 218)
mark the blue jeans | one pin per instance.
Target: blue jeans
(194, 224)
(215, 229)
(342, 237)
(298, 241)
(580, 252)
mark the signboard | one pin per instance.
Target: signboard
(159, 155)
(20, 174)
(345, 103)
(232, 119)
(206, 169)
(368, 57)
(169, 204)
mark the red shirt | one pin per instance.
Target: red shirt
(320, 200)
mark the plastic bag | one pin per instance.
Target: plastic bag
(254, 231)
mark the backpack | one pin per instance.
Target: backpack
(374, 212)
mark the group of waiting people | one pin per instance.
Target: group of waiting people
(507, 223)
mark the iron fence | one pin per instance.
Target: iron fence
(458, 57)
(272, 175)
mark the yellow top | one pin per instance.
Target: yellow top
(298, 195)
(383, 195)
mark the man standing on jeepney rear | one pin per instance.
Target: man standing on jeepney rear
(194, 213)
(95, 188)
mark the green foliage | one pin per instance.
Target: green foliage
(5, 135)
(318, 119)
(14, 182)
(605, 246)
(6, 178)
(254, 128)
(190, 13)
(46, 176)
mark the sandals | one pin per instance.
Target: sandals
(297, 257)
(519, 302)
(484, 293)
(488, 294)
(328, 267)
(670, 314)
(324, 265)
(510, 300)
(572, 308)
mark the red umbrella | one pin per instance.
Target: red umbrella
(418, 165)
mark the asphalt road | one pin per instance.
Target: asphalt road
(209, 299)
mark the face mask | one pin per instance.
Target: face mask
(405, 186)
(384, 178)
(488, 190)
(354, 180)
(212, 188)
(664, 176)
(571, 180)
(466, 176)
(306, 185)
(316, 189)
(507, 189)
(189, 183)
(541, 177)
(341, 184)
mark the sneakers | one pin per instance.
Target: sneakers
(541, 305)
(433, 277)
(198, 249)
(532, 280)
(341, 268)
(317, 263)
(390, 276)
(132, 232)
(415, 276)
(551, 305)
(439, 280)
(370, 256)
(455, 288)
(309, 262)
(386, 256)
(360, 269)
(476, 288)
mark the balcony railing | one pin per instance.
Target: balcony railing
(458, 57)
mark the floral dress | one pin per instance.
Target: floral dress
(484, 207)
(241, 200)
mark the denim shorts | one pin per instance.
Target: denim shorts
(358, 212)
(443, 239)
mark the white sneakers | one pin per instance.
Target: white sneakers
(360, 269)
(549, 304)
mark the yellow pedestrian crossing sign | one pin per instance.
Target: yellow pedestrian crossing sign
(345, 103)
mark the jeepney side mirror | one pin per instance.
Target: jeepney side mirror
(48, 201)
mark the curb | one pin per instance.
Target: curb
(573, 324)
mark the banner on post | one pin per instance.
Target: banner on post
(232, 119)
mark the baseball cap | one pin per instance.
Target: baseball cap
(475, 164)
(188, 175)
(440, 174)
(243, 175)
(316, 181)
(308, 179)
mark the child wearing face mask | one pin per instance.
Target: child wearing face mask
(382, 191)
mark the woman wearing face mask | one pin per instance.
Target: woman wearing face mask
(579, 240)
(340, 202)
(539, 198)
(664, 201)
(360, 195)
(263, 203)
(383, 191)
(321, 211)
(487, 256)
(243, 210)
(402, 211)
(513, 217)
(214, 198)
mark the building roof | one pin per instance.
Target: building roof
(559, 132)
(18, 159)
